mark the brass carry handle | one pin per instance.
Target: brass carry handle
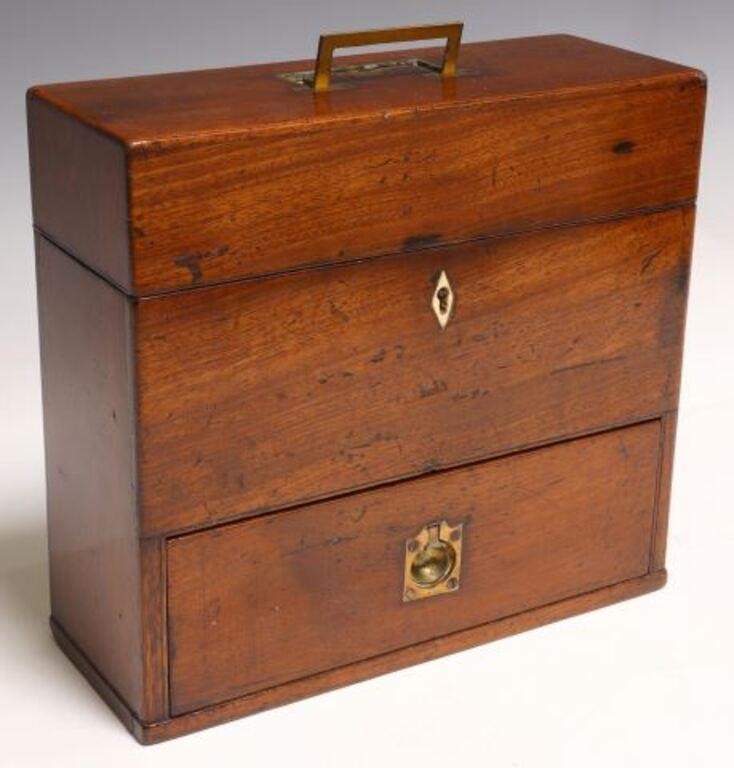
(328, 43)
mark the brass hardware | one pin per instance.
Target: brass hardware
(433, 561)
(443, 300)
(328, 43)
(351, 73)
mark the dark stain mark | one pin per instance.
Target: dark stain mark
(192, 261)
(114, 415)
(623, 147)
(378, 437)
(379, 356)
(590, 364)
(417, 242)
(648, 260)
(337, 312)
(139, 232)
(437, 386)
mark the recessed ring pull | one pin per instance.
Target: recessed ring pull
(433, 561)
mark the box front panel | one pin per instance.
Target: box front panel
(259, 395)
(288, 595)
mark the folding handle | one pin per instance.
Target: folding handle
(328, 43)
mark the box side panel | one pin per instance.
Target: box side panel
(88, 417)
(79, 189)
(335, 191)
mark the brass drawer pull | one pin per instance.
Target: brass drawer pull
(433, 561)
(328, 43)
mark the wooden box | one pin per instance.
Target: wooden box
(406, 345)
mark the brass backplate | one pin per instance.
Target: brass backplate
(433, 561)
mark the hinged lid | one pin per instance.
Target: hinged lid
(167, 181)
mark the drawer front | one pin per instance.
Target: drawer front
(255, 396)
(284, 596)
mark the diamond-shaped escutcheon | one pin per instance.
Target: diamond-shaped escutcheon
(443, 300)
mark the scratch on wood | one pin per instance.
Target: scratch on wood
(648, 260)
(472, 395)
(590, 364)
(379, 356)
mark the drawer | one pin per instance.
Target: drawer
(259, 395)
(284, 596)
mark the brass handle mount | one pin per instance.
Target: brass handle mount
(433, 561)
(329, 43)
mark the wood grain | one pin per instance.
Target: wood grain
(166, 108)
(90, 467)
(79, 190)
(206, 717)
(249, 404)
(258, 603)
(667, 453)
(339, 379)
(593, 133)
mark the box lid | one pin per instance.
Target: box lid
(169, 181)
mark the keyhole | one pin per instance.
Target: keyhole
(443, 299)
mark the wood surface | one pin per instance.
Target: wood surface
(79, 190)
(249, 404)
(264, 394)
(89, 435)
(206, 717)
(593, 132)
(259, 603)
(167, 108)
(668, 425)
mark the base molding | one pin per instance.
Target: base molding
(152, 733)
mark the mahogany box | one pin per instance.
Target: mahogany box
(348, 367)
